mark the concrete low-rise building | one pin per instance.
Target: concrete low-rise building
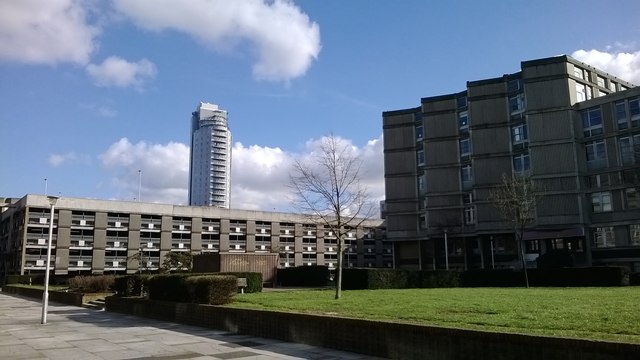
(104, 236)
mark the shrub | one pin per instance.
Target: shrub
(24, 279)
(366, 278)
(317, 275)
(555, 259)
(254, 280)
(634, 279)
(168, 287)
(131, 285)
(211, 289)
(96, 283)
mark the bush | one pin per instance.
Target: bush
(211, 289)
(168, 287)
(493, 278)
(367, 278)
(303, 276)
(254, 280)
(555, 259)
(131, 285)
(24, 279)
(634, 279)
(92, 284)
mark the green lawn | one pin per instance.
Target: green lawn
(589, 313)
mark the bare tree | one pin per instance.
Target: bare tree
(516, 199)
(328, 188)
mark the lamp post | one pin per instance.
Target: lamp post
(139, 183)
(45, 295)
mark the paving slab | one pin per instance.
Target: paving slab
(90, 334)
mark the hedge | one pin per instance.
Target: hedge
(92, 283)
(254, 280)
(211, 289)
(131, 285)
(317, 275)
(368, 278)
(372, 278)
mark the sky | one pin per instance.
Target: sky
(93, 91)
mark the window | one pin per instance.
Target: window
(634, 111)
(470, 215)
(465, 147)
(421, 183)
(598, 181)
(633, 198)
(461, 101)
(626, 150)
(514, 85)
(521, 163)
(578, 72)
(592, 122)
(621, 115)
(601, 202)
(595, 150)
(516, 104)
(519, 133)
(466, 173)
(463, 120)
(604, 237)
(634, 239)
(420, 157)
(601, 81)
(467, 198)
(419, 132)
(583, 92)
(612, 85)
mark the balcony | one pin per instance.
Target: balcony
(180, 245)
(38, 262)
(78, 242)
(115, 263)
(117, 244)
(80, 262)
(150, 245)
(40, 241)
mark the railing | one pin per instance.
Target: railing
(117, 244)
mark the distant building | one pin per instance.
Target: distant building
(100, 236)
(571, 127)
(210, 157)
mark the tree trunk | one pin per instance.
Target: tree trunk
(339, 270)
(524, 261)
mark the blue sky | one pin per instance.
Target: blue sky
(92, 91)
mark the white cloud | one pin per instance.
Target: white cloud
(624, 65)
(282, 37)
(165, 170)
(259, 174)
(46, 32)
(101, 110)
(56, 160)
(115, 71)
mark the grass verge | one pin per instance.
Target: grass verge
(588, 313)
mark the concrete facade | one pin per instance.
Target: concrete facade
(568, 125)
(99, 236)
(210, 157)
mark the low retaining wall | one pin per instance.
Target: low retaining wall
(377, 338)
(69, 298)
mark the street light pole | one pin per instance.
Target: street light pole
(139, 183)
(45, 295)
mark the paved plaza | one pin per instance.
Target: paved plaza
(85, 334)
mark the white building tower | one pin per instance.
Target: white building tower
(210, 163)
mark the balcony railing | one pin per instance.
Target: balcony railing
(80, 262)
